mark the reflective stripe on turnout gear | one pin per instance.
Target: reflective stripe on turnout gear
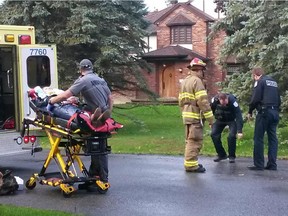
(190, 163)
(191, 115)
(190, 96)
(186, 95)
(208, 114)
(200, 94)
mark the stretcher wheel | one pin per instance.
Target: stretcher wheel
(29, 185)
(67, 190)
(101, 191)
(94, 188)
(66, 195)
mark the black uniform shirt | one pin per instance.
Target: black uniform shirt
(265, 94)
(228, 113)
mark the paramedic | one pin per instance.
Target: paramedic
(96, 94)
(266, 100)
(193, 101)
(227, 113)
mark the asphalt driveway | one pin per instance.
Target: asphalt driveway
(157, 185)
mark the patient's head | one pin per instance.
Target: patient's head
(73, 100)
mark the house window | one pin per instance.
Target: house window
(232, 69)
(181, 34)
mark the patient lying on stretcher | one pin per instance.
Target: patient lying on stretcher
(71, 111)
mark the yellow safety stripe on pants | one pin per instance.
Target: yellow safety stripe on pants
(190, 115)
(190, 163)
(208, 114)
(200, 93)
(186, 95)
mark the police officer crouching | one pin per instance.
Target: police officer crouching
(227, 113)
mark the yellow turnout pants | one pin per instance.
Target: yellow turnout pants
(193, 141)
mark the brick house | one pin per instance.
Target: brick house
(177, 34)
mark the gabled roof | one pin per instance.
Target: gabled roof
(153, 16)
(180, 19)
(172, 52)
(157, 16)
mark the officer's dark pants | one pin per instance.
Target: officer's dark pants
(217, 130)
(99, 167)
(266, 120)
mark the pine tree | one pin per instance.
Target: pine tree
(257, 33)
(107, 32)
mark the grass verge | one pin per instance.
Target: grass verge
(11, 210)
(158, 129)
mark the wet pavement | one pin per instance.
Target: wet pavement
(158, 185)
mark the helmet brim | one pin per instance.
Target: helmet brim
(201, 67)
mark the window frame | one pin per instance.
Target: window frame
(38, 71)
(176, 35)
(232, 69)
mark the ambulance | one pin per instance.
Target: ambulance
(23, 65)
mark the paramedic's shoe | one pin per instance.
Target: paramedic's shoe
(96, 115)
(104, 116)
(218, 159)
(99, 186)
(200, 169)
(101, 119)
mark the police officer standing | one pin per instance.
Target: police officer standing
(227, 113)
(266, 100)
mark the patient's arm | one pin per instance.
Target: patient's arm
(61, 97)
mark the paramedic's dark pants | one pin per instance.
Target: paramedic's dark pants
(99, 167)
(266, 121)
(217, 130)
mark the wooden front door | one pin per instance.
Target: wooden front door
(167, 81)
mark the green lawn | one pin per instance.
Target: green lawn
(159, 130)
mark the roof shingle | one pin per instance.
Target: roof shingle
(173, 52)
(180, 19)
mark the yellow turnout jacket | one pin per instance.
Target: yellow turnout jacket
(193, 100)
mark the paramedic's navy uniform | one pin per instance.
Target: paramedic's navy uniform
(230, 115)
(266, 100)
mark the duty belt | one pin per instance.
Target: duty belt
(270, 107)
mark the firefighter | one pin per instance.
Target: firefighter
(266, 100)
(227, 112)
(193, 101)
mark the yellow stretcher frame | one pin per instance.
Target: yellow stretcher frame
(74, 144)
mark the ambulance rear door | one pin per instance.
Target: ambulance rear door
(38, 67)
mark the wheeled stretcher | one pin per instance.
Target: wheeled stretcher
(76, 137)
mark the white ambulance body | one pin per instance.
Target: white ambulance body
(23, 65)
